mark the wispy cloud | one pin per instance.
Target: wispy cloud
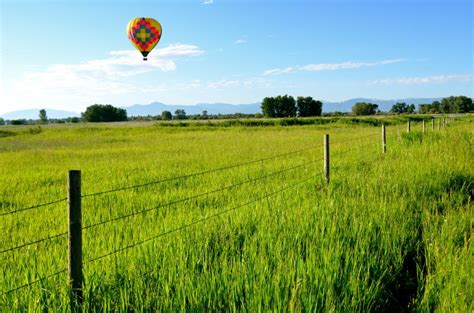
(239, 41)
(250, 82)
(329, 66)
(206, 2)
(278, 71)
(106, 77)
(119, 64)
(223, 83)
(422, 80)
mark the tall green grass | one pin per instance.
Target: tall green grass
(388, 233)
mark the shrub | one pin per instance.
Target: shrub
(104, 113)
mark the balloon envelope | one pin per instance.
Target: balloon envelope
(144, 33)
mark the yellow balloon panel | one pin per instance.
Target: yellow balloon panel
(144, 33)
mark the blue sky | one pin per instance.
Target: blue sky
(70, 54)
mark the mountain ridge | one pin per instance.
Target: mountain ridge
(155, 108)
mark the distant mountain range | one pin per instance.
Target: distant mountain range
(156, 108)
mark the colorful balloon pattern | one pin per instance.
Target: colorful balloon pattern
(144, 33)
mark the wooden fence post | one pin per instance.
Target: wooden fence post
(439, 124)
(432, 123)
(75, 239)
(326, 157)
(384, 140)
(424, 126)
(408, 126)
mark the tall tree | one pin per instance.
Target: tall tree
(269, 107)
(180, 114)
(307, 106)
(462, 104)
(43, 116)
(286, 106)
(446, 105)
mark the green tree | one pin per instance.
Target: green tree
(363, 108)
(280, 106)
(2, 121)
(459, 104)
(462, 104)
(180, 114)
(42, 116)
(269, 107)
(204, 115)
(399, 108)
(166, 115)
(104, 113)
(446, 105)
(402, 107)
(429, 108)
(307, 106)
(286, 106)
(425, 108)
(19, 122)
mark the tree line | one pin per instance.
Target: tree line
(453, 104)
(272, 107)
(459, 104)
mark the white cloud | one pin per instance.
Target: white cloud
(249, 83)
(223, 83)
(207, 2)
(90, 80)
(278, 71)
(422, 80)
(239, 41)
(328, 66)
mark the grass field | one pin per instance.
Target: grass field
(389, 233)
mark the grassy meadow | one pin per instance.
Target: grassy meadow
(388, 233)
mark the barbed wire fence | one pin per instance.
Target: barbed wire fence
(74, 234)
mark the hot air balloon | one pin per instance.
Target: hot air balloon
(144, 33)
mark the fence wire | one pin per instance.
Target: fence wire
(182, 176)
(34, 282)
(33, 207)
(34, 242)
(199, 220)
(200, 173)
(398, 128)
(202, 194)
